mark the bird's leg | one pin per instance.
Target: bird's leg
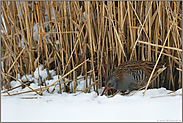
(115, 93)
(126, 93)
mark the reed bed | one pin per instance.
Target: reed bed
(90, 38)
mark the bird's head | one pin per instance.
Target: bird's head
(111, 83)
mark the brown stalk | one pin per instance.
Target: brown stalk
(157, 59)
(156, 45)
(19, 81)
(63, 77)
(139, 34)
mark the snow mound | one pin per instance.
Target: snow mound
(45, 80)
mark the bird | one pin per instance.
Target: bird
(132, 75)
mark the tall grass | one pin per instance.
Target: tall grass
(106, 33)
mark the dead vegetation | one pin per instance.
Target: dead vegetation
(90, 38)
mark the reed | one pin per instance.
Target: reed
(64, 35)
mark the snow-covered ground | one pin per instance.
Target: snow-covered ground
(90, 107)
(156, 105)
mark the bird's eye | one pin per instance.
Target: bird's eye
(109, 84)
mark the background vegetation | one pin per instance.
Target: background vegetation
(106, 33)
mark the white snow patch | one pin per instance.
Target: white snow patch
(84, 13)
(2, 31)
(82, 83)
(22, 43)
(101, 90)
(36, 33)
(2, 66)
(162, 69)
(179, 91)
(52, 72)
(42, 73)
(32, 85)
(4, 23)
(18, 76)
(46, 15)
(14, 83)
(29, 77)
(57, 42)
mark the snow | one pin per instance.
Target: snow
(46, 15)
(14, 83)
(22, 43)
(35, 33)
(157, 104)
(19, 7)
(2, 66)
(4, 24)
(2, 31)
(57, 41)
(90, 107)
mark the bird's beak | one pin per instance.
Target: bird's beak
(105, 90)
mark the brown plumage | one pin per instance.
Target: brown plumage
(132, 75)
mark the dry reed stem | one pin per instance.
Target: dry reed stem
(167, 95)
(30, 97)
(156, 45)
(6, 91)
(173, 57)
(107, 27)
(138, 19)
(179, 69)
(139, 33)
(16, 60)
(59, 32)
(63, 77)
(115, 93)
(72, 51)
(118, 37)
(87, 8)
(19, 81)
(38, 89)
(11, 88)
(158, 58)
(86, 88)
(160, 71)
